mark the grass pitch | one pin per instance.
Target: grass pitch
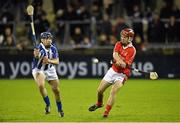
(137, 101)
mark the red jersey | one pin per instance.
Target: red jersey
(127, 54)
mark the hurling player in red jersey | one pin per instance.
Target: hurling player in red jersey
(123, 54)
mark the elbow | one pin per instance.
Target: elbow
(114, 55)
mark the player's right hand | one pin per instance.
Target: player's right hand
(120, 64)
(36, 53)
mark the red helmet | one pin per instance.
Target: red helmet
(128, 32)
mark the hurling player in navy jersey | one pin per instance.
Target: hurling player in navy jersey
(45, 57)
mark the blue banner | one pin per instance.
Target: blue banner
(82, 66)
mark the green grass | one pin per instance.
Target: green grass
(138, 100)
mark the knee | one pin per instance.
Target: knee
(55, 90)
(41, 86)
(113, 93)
(99, 91)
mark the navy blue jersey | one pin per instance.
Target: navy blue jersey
(52, 53)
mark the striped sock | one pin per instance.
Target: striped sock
(46, 100)
(59, 106)
(108, 108)
(99, 103)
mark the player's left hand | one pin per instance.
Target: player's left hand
(45, 60)
(123, 65)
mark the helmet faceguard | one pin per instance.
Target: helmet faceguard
(129, 33)
(46, 35)
(46, 39)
